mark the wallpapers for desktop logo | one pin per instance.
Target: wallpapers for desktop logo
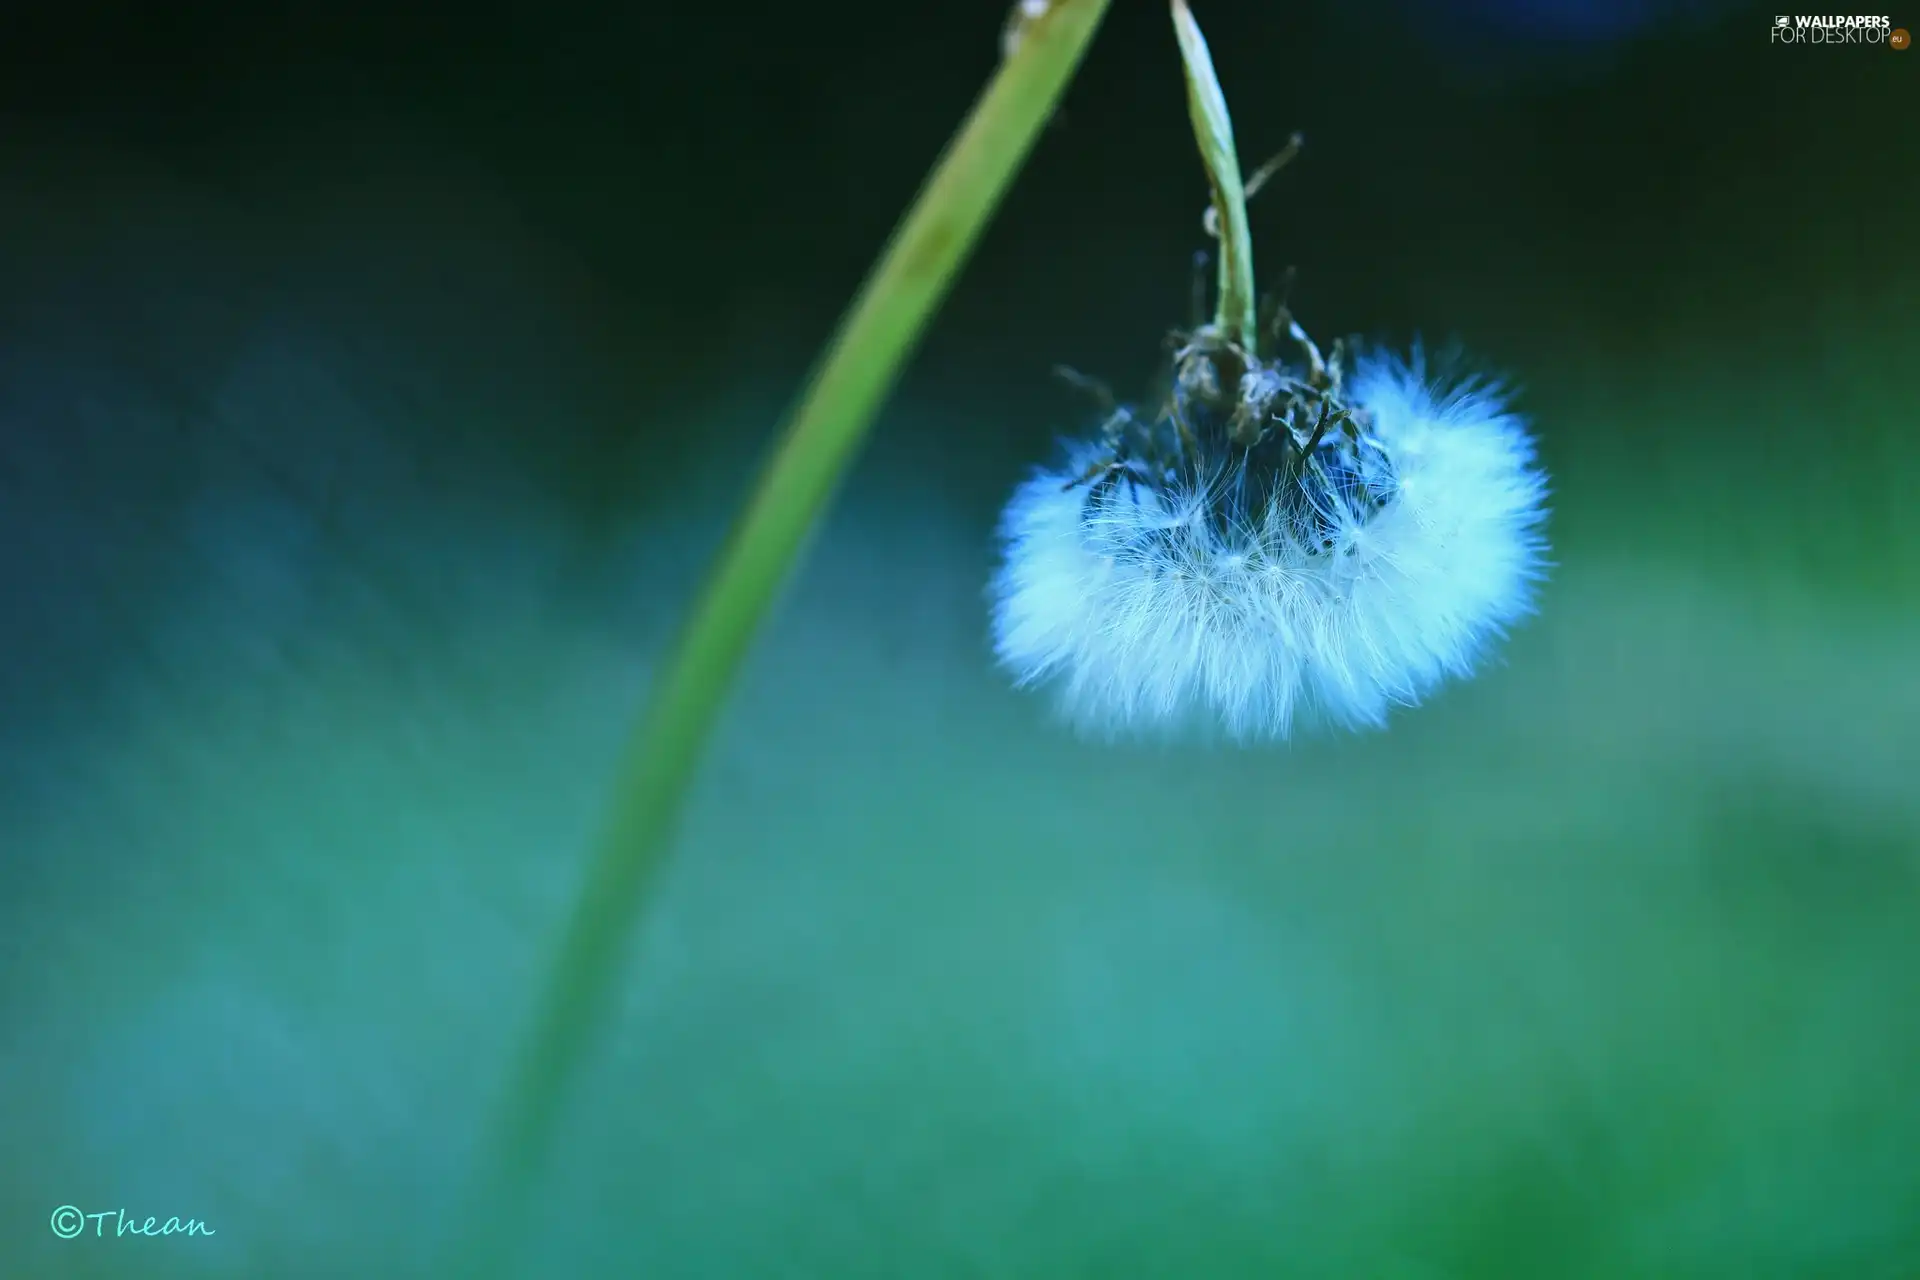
(1839, 29)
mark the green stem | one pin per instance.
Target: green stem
(1235, 313)
(855, 373)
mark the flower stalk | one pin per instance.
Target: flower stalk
(854, 375)
(1235, 310)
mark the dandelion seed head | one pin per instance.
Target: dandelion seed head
(1250, 572)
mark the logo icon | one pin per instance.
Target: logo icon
(1781, 20)
(1899, 38)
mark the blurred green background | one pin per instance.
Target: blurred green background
(373, 390)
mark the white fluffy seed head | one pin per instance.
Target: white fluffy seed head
(1149, 615)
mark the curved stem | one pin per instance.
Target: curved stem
(1235, 312)
(859, 367)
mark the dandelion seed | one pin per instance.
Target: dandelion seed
(1280, 542)
(1163, 586)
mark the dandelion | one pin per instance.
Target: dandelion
(1281, 541)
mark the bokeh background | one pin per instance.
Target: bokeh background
(374, 386)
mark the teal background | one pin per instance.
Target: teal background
(374, 389)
